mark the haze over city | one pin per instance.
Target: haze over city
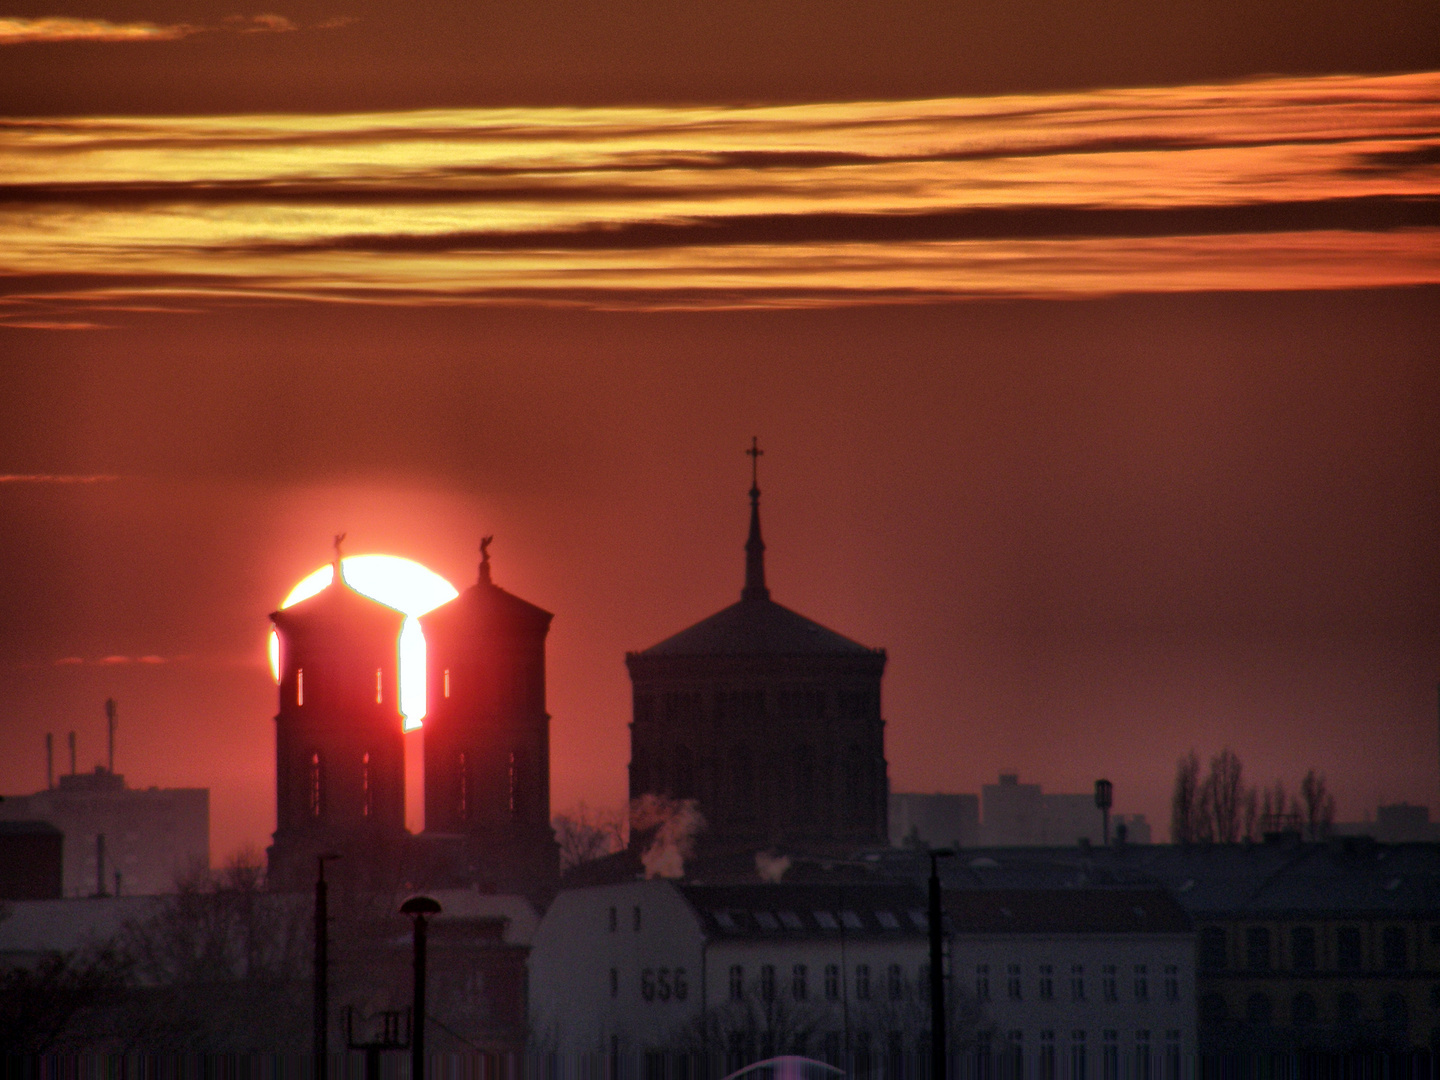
(1094, 358)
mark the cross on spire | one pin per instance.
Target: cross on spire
(755, 454)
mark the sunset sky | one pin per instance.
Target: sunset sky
(1095, 352)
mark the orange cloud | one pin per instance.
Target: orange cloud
(56, 478)
(20, 31)
(53, 28)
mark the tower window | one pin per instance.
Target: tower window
(299, 686)
(462, 802)
(365, 785)
(317, 786)
(447, 682)
(379, 687)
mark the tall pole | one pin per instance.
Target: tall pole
(110, 730)
(1104, 799)
(938, 1051)
(72, 753)
(418, 907)
(322, 968)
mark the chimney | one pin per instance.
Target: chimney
(72, 753)
(49, 761)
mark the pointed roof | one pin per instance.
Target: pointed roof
(757, 626)
(486, 604)
(337, 604)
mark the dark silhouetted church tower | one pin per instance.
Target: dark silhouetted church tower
(487, 737)
(340, 754)
(769, 720)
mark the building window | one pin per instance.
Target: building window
(1213, 1010)
(1142, 983)
(447, 682)
(1109, 986)
(1047, 982)
(896, 980)
(1142, 1055)
(1045, 1064)
(1302, 948)
(462, 794)
(1347, 948)
(1110, 1056)
(832, 982)
(1078, 1056)
(1015, 1053)
(682, 985)
(1257, 1010)
(317, 786)
(737, 982)
(299, 686)
(614, 982)
(1172, 982)
(1396, 1013)
(862, 982)
(767, 982)
(1347, 1007)
(365, 785)
(1393, 950)
(1077, 982)
(798, 988)
(1172, 1055)
(1212, 948)
(379, 687)
(982, 982)
(1012, 982)
(636, 921)
(1303, 1009)
(1257, 948)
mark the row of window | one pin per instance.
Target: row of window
(1305, 1009)
(831, 988)
(318, 802)
(1110, 982)
(379, 686)
(1347, 949)
(1146, 1061)
(681, 707)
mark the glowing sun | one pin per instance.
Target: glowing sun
(402, 584)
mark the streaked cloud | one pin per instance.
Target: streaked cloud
(1328, 182)
(57, 478)
(61, 28)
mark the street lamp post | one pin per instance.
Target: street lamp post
(419, 908)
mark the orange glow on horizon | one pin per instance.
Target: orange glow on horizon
(396, 582)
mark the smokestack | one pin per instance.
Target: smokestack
(100, 864)
(49, 761)
(110, 728)
(72, 753)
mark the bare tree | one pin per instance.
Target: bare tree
(1227, 795)
(1319, 805)
(1185, 802)
(585, 834)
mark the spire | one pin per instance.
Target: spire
(339, 574)
(755, 547)
(485, 559)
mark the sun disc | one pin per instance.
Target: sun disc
(402, 584)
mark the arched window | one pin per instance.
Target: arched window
(299, 686)
(317, 786)
(365, 785)
(1213, 1010)
(742, 775)
(1303, 1009)
(1257, 1010)
(1396, 1011)
(684, 786)
(379, 687)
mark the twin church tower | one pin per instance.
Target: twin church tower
(769, 720)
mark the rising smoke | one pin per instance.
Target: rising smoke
(676, 823)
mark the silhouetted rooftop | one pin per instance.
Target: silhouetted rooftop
(757, 627)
